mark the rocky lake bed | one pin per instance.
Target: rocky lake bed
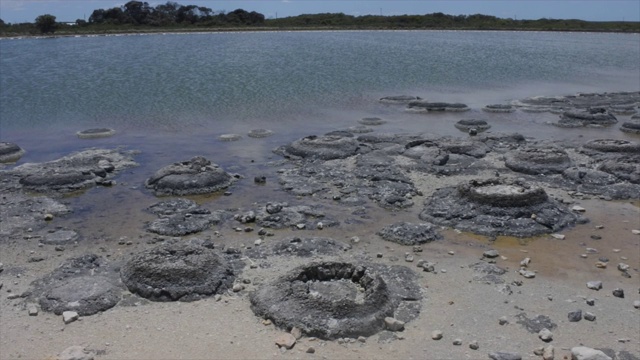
(359, 242)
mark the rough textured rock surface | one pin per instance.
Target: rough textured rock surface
(410, 234)
(16, 220)
(538, 160)
(195, 176)
(632, 126)
(590, 117)
(184, 271)
(86, 284)
(497, 206)
(73, 172)
(324, 147)
(303, 247)
(182, 217)
(328, 300)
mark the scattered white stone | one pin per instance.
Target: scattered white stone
(473, 345)
(301, 226)
(503, 320)
(286, 341)
(635, 232)
(525, 262)
(623, 267)
(69, 316)
(457, 342)
(578, 208)
(451, 252)
(589, 316)
(558, 236)
(594, 285)
(33, 310)
(257, 242)
(585, 353)
(548, 353)
(355, 239)
(545, 335)
(527, 274)
(76, 353)
(237, 287)
(491, 254)
(636, 304)
(601, 264)
(436, 334)
(296, 332)
(320, 225)
(393, 324)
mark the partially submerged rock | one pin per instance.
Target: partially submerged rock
(73, 172)
(371, 121)
(195, 176)
(425, 106)
(230, 137)
(20, 212)
(95, 133)
(631, 126)
(590, 117)
(260, 133)
(184, 271)
(497, 206)
(328, 300)
(538, 160)
(499, 108)
(10, 152)
(469, 124)
(613, 146)
(326, 147)
(399, 99)
(410, 234)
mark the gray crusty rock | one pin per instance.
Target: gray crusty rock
(184, 271)
(195, 176)
(405, 233)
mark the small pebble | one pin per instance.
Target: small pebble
(619, 293)
(589, 316)
(436, 335)
(457, 342)
(591, 302)
(474, 345)
(503, 320)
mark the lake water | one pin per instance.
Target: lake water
(171, 95)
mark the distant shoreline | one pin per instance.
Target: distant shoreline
(130, 31)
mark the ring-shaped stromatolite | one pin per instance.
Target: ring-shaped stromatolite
(184, 271)
(195, 176)
(259, 133)
(326, 147)
(328, 300)
(497, 206)
(468, 124)
(538, 160)
(613, 145)
(501, 193)
(10, 152)
(591, 117)
(95, 133)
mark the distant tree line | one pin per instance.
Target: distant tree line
(135, 16)
(172, 13)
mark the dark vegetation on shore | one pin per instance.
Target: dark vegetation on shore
(138, 16)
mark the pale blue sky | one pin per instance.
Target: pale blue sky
(15, 11)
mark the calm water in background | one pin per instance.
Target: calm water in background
(171, 95)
